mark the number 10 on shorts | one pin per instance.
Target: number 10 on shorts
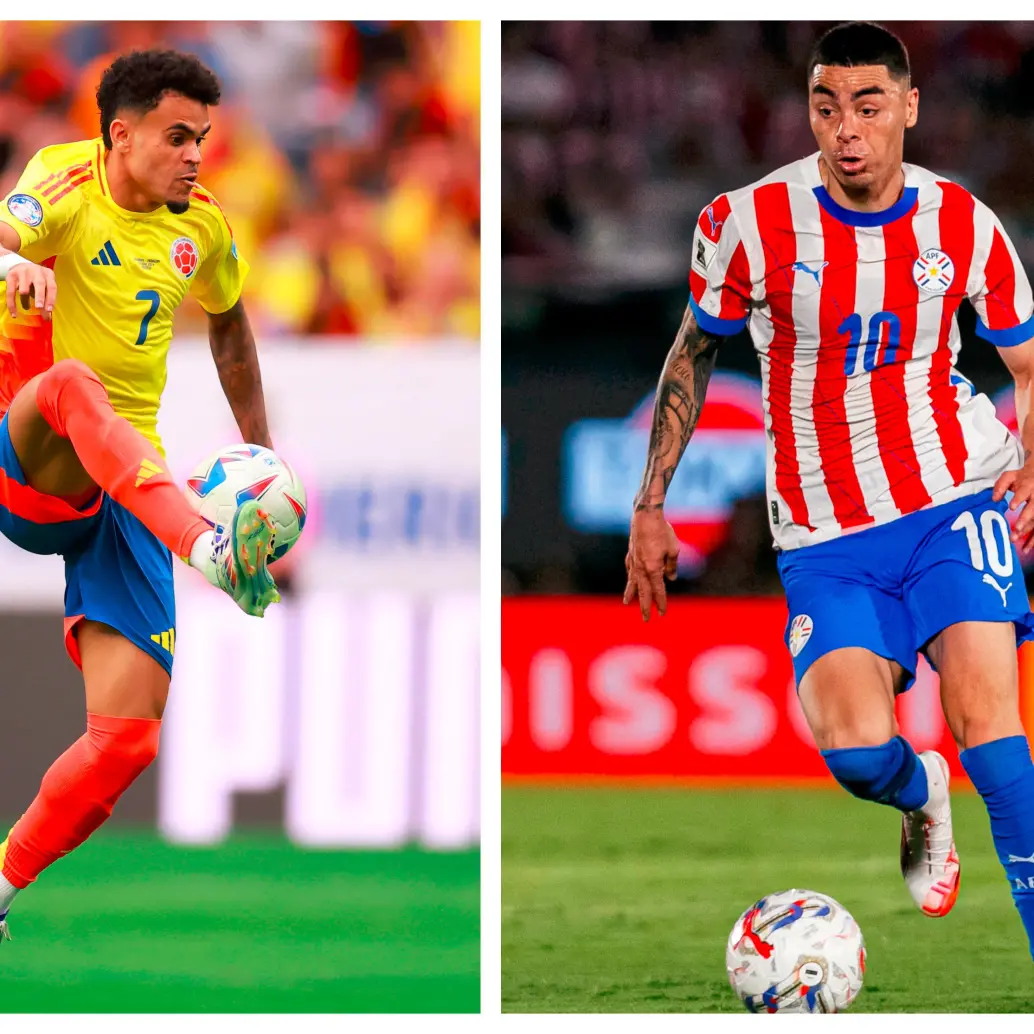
(993, 526)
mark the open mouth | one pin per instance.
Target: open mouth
(851, 163)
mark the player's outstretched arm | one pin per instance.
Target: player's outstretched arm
(652, 547)
(23, 278)
(1020, 361)
(236, 359)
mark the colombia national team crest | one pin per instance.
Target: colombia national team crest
(933, 271)
(800, 632)
(184, 256)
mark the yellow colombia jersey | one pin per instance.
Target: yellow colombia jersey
(120, 275)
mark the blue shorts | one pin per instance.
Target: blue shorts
(892, 588)
(116, 571)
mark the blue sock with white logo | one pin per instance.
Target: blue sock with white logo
(888, 774)
(1003, 774)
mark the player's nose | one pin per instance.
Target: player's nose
(848, 128)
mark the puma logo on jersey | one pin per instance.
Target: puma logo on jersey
(715, 225)
(988, 580)
(106, 256)
(811, 272)
(166, 640)
(147, 470)
(1020, 858)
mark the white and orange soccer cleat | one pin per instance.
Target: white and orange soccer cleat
(929, 861)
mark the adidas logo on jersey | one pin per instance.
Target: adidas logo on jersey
(166, 640)
(147, 470)
(106, 256)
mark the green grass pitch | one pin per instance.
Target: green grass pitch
(129, 924)
(621, 900)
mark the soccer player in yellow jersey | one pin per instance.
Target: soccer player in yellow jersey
(101, 240)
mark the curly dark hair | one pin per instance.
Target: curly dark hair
(140, 79)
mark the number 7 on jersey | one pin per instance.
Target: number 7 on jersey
(155, 300)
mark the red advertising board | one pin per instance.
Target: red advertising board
(589, 690)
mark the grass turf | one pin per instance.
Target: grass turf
(621, 900)
(129, 924)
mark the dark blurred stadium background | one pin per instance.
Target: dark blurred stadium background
(307, 841)
(614, 137)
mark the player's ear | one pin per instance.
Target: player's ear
(119, 132)
(912, 112)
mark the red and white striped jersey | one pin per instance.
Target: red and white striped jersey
(852, 315)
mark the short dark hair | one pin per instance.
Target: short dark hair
(138, 81)
(861, 43)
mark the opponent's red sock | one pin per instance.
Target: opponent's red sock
(78, 792)
(115, 454)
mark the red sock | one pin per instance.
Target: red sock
(78, 792)
(115, 454)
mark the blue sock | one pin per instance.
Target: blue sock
(1003, 774)
(888, 774)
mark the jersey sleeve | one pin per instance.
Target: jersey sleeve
(1001, 294)
(220, 277)
(719, 276)
(44, 205)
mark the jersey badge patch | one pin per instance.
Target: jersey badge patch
(933, 271)
(703, 252)
(26, 209)
(183, 254)
(800, 632)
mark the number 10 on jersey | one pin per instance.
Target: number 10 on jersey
(852, 326)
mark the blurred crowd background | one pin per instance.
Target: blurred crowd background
(345, 154)
(614, 136)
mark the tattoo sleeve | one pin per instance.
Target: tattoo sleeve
(236, 359)
(680, 397)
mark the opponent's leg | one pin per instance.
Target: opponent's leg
(977, 664)
(126, 690)
(68, 438)
(848, 698)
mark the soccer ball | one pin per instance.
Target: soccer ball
(797, 951)
(238, 473)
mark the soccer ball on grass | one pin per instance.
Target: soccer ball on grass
(797, 951)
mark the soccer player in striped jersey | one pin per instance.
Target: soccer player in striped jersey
(887, 472)
(121, 225)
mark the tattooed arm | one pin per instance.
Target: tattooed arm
(653, 548)
(680, 397)
(236, 359)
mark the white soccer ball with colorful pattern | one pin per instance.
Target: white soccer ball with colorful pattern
(237, 473)
(797, 951)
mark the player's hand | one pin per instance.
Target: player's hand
(36, 288)
(653, 553)
(1021, 483)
